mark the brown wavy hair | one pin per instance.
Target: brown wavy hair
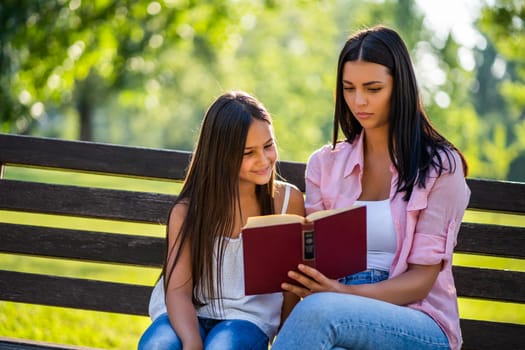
(211, 189)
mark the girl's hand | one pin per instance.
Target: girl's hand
(309, 280)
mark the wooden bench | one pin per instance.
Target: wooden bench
(16, 195)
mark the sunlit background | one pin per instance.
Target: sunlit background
(143, 72)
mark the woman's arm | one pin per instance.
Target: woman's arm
(431, 249)
(411, 286)
(181, 310)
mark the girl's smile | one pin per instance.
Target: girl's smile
(260, 154)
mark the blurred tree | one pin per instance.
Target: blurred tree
(503, 23)
(143, 72)
(59, 52)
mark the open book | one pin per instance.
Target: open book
(333, 241)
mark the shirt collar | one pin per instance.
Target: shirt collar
(356, 157)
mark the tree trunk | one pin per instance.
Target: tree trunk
(87, 93)
(85, 111)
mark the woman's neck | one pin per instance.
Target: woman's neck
(376, 176)
(376, 142)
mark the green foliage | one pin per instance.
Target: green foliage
(143, 72)
(67, 326)
(503, 22)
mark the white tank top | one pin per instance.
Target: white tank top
(381, 234)
(264, 310)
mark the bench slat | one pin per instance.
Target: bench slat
(481, 283)
(493, 240)
(85, 201)
(96, 157)
(481, 335)
(7, 343)
(82, 245)
(493, 195)
(292, 172)
(110, 158)
(74, 292)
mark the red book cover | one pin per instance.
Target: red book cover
(333, 241)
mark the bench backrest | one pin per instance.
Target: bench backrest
(498, 240)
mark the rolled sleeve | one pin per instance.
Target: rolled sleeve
(436, 230)
(431, 249)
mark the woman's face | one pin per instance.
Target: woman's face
(367, 89)
(260, 154)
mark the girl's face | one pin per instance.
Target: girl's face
(260, 154)
(367, 89)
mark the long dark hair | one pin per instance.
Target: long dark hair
(211, 189)
(414, 144)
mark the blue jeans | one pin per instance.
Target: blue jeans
(345, 321)
(215, 334)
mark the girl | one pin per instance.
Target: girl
(413, 182)
(230, 178)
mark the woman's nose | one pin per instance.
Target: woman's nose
(360, 98)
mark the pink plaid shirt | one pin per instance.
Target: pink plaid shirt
(426, 226)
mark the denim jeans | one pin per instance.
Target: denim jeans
(344, 321)
(216, 335)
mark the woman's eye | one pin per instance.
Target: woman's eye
(270, 145)
(249, 153)
(374, 89)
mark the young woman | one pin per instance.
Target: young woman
(412, 181)
(199, 302)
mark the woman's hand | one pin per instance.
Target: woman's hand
(310, 280)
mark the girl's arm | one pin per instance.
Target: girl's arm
(181, 311)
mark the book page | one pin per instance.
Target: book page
(272, 220)
(324, 213)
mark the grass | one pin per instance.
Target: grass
(115, 331)
(79, 327)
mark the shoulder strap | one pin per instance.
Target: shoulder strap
(286, 198)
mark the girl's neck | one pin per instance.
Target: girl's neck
(246, 191)
(249, 206)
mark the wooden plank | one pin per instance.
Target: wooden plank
(82, 245)
(490, 284)
(494, 240)
(74, 293)
(111, 158)
(7, 343)
(85, 201)
(292, 172)
(94, 295)
(484, 335)
(502, 196)
(147, 251)
(91, 156)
